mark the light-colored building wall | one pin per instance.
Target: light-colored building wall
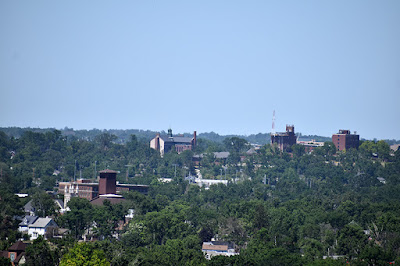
(157, 141)
(40, 227)
(208, 182)
(35, 232)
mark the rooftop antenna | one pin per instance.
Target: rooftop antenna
(273, 123)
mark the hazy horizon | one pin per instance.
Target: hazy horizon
(184, 132)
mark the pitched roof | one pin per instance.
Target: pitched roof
(210, 246)
(251, 151)
(19, 257)
(28, 220)
(59, 203)
(177, 139)
(183, 139)
(395, 147)
(42, 222)
(18, 246)
(28, 207)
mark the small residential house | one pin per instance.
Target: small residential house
(45, 227)
(218, 248)
(16, 253)
(29, 209)
(28, 220)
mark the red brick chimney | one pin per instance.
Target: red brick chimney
(194, 139)
(108, 182)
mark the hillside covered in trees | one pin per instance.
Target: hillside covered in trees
(278, 208)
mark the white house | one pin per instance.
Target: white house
(28, 220)
(42, 227)
(218, 248)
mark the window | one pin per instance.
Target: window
(12, 256)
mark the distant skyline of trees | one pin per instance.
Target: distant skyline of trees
(123, 135)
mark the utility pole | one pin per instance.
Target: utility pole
(175, 169)
(75, 171)
(95, 172)
(127, 171)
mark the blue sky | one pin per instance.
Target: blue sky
(220, 66)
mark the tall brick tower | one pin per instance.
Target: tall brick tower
(284, 140)
(108, 182)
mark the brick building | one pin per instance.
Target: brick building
(344, 140)
(107, 182)
(180, 143)
(82, 188)
(108, 185)
(284, 140)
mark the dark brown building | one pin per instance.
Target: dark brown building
(284, 140)
(16, 253)
(344, 140)
(108, 182)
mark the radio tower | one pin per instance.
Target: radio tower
(273, 123)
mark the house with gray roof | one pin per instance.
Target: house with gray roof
(29, 209)
(28, 220)
(42, 227)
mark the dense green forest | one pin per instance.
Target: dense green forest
(278, 208)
